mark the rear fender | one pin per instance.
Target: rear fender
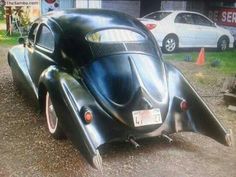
(20, 74)
(198, 118)
(64, 91)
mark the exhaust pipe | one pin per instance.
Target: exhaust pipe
(169, 139)
(133, 142)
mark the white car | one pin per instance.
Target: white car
(185, 29)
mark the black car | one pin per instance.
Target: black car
(99, 77)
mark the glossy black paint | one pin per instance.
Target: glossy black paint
(81, 75)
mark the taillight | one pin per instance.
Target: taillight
(88, 116)
(150, 26)
(184, 106)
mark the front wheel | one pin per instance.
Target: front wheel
(52, 120)
(223, 44)
(170, 44)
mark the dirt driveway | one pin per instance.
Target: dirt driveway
(26, 149)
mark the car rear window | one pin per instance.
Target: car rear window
(115, 36)
(157, 15)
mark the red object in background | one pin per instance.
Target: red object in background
(50, 1)
(223, 16)
(201, 57)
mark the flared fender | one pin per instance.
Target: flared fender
(64, 91)
(198, 118)
(20, 73)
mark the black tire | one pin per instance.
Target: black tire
(223, 44)
(170, 44)
(53, 123)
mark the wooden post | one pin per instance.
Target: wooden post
(8, 20)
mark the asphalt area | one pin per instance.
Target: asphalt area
(27, 149)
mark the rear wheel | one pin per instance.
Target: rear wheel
(223, 44)
(52, 120)
(170, 44)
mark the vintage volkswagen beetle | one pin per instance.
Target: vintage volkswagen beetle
(99, 77)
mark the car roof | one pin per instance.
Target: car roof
(177, 11)
(87, 20)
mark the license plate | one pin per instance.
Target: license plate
(146, 117)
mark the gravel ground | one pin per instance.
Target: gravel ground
(26, 148)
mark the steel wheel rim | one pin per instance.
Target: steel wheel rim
(223, 44)
(170, 45)
(52, 119)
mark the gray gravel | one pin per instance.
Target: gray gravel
(26, 148)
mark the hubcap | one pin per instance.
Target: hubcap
(170, 45)
(223, 44)
(52, 119)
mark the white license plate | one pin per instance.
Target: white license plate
(146, 117)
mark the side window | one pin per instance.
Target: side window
(184, 18)
(45, 38)
(32, 32)
(200, 20)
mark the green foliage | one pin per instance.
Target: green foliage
(23, 16)
(1, 12)
(227, 59)
(8, 40)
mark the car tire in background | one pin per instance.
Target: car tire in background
(223, 43)
(170, 43)
(53, 124)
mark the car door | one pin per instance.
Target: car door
(40, 53)
(186, 30)
(207, 36)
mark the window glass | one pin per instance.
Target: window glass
(200, 20)
(115, 35)
(184, 18)
(45, 38)
(32, 32)
(157, 15)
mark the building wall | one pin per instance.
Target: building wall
(88, 4)
(66, 4)
(147, 7)
(197, 6)
(173, 5)
(129, 7)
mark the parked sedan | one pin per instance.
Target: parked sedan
(185, 29)
(99, 77)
